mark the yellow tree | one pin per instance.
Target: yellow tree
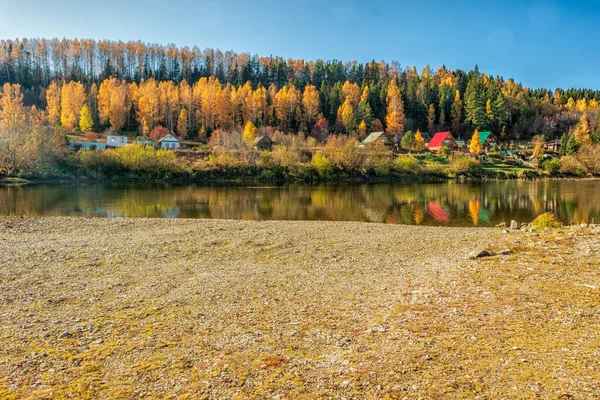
(419, 144)
(310, 102)
(475, 145)
(12, 115)
(53, 103)
(348, 116)
(148, 100)
(394, 119)
(72, 100)
(182, 123)
(86, 123)
(249, 133)
(362, 129)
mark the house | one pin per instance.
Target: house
(552, 146)
(390, 141)
(169, 142)
(87, 145)
(116, 141)
(487, 140)
(263, 143)
(442, 139)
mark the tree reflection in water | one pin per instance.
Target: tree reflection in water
(448, 203)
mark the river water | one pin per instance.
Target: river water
(448, 203)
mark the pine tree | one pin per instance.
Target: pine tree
(431, 119)
(500, 110)
(408, 141)
(86, 123)
(475, 103)
(456, 114)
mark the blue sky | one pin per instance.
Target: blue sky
(539, 43)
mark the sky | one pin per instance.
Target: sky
(538, 43)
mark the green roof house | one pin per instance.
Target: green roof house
(487, 139)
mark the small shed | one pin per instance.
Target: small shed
(263, 143)
(553, 146)
(442, 139)
(169, 142)
(388, 140)
(116, 141)
(487, 139)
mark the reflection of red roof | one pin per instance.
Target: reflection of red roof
(438, 139)
(437, 212)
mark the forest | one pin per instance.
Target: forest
(135, 86)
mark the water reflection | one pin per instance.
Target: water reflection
(449, 203)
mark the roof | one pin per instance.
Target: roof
(438, 139)
(261, 138)
(373, 136)
(483, 136)
(169, 138)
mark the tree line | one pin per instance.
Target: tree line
(134, 86)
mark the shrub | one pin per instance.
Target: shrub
(571, 165)
(407, 164)
(285, 156)
(445, 151)
(546, 220)
(589, 156)
(344, 153)
(321, 164)
(460, 164)
(551, 166)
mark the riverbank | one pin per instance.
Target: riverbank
(128, 308)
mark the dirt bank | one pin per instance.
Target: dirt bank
(129, 308)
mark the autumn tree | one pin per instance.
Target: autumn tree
(310, 102)
(158, 133)
(394, 119)
(362, 129)
(114, 102)
(182, 123)
(249, 134)
(348, 116)
(419, 143)
(85, 119)
(53, 103)
(475, 145)
(12, 114)
(72, 99)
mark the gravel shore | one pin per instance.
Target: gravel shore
(176, 308)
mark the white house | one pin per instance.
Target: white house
(116, 141)
(169, 142)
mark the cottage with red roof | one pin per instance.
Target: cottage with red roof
(442, 139)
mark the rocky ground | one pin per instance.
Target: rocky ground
(131, 308)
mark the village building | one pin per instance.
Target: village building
(552, 146)
(116, 141)
(263, 143)
(87, 145)
(388, 140)
(487, 140)
(169, 142)
(442, 139)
